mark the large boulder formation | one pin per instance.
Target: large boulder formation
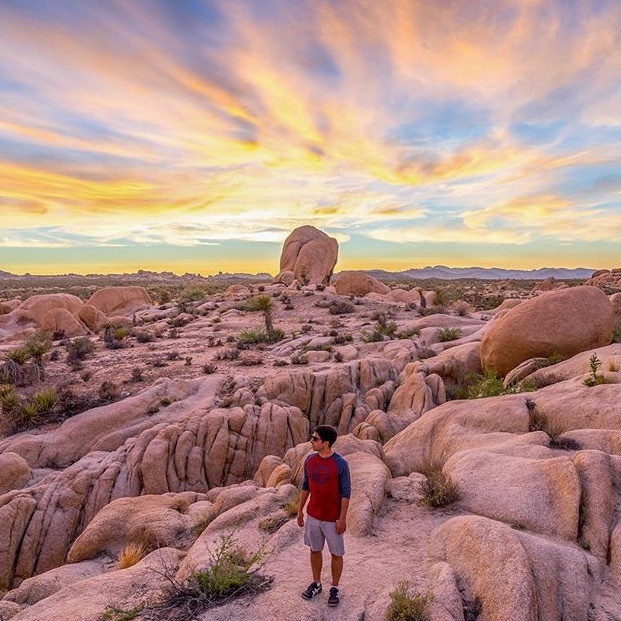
(359, 283)
(563, 322)
(310, 255)
(53, 312)
(112, 301)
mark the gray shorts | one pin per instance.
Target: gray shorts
(316, 533)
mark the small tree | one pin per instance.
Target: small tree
(265, 305)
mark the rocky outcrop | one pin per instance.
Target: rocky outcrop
(310, 255)
(359, 283)
(479, 550)
(53, 312)
(14, 471)
(562, 322)
(113, 301)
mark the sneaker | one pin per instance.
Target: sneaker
(312, 590)
(333, 600)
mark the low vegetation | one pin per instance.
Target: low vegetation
(407, 604)
(438, 489)
(448, 334)
(232, 572)
(594, 378)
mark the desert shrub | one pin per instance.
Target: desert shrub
(461, 308)
(406, 604)
(338, 356)
(158, 362)
(438, 489)
(142, 336)
(272, 523)
(341, 307)
(594, 378)
(173, 355)
(209, 368)
(291, 506)
(280, 363)
(490, 385)
(556, 357)
(132, 553)
(298, 359)
(112, 613)
(425, 352)
(19, 355)
(193, 293)
(71, 403)
(54, 355)
(317, 347)
(108, 392)
(250, 361)
(232, 572)
(448, 334)
(408, 333)
(136, 374)
(252, 337)
(45, 400)
(306, 328)
(79, 349)
(229, 353)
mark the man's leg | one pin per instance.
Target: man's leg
(316, 560)
(337, 569)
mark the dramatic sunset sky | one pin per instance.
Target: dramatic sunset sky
(194, 135)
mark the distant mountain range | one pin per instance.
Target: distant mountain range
(485, 273)
(436, 271)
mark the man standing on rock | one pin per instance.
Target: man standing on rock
(327, 482)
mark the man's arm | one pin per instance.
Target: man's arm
(341, 523)
(303, 498)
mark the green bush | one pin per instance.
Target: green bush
(406, 604)
(594, 378)
(448, 334)
(231, 572)
(253, 337)
(79, 349)
(490, 385)
(438, 489)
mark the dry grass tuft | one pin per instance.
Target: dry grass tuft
(132, 553)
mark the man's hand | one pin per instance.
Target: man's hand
(300, 519)
(341, 526)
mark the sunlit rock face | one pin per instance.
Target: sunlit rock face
(564, 322)
(359, 283)
(310, 255)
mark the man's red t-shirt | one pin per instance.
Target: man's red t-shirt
(328, 480)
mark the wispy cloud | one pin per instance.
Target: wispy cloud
(145, 121)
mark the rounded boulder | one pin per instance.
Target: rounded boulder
(359, 283)
(310, 254)
(566, 322)
(120, 300)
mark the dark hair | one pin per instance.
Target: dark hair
(327, 433)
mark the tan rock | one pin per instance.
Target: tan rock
(157, 521)
(120, 300)
(7, 306)
(369, 477)
(88, 599)
(310, 254)
(14, 471)
(567, 322)
(268, 464)
(92, 317)
(280, 475)
(359, 283)
(542, 495)
(548, 580)
(33, 590)
(237, 290)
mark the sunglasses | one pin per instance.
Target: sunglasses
(315, 439)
